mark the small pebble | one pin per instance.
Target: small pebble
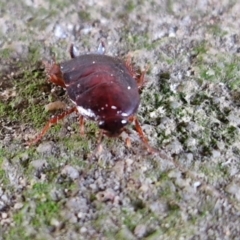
(71, 172)
(39, 164)
(18, 205)
(106, 195)
(45, 148)
(83, 230)
(4, 215)
(233, 188)
(140, 230)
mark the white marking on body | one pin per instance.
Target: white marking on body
(101, 123)
(106, 105)
(93, 62)
(86, 112)
(124, 114)
(113, 107)
(102, 108)
(128, 87)
(124, 121)
(79, 85)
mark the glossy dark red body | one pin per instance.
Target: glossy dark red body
(103, 89)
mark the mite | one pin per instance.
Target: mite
(102, 88)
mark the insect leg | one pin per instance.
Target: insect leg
(51, 122)
(141, 134)
(81, 122)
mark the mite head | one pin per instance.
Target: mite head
(112, 127)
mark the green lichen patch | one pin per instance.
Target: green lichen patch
(42, 214)
(24, 97)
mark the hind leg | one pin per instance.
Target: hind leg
(50, 123)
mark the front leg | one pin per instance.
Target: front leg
(54, 73)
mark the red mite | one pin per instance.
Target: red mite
(103, 88)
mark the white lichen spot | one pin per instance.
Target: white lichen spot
(111, 75)
(106, 105)
(86, 112)
(101, 48)
(124, 121)
(173, 87)
(79, 85)
(102, 108)
(93, 62)
(113, 107)
(158, 112)
(128, 87)
(60, 32)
